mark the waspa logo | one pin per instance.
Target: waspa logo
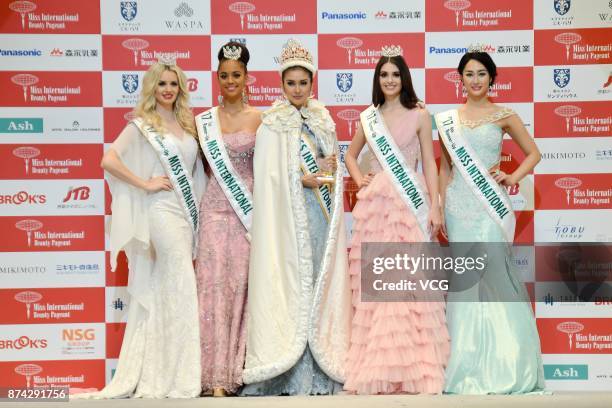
(344, 81)
(129, 82)
(243, 8)
(183, 10)
(23, 8)
(25, 81)
(129, 10)
(568, 184)
(349, 43)
(570, 328)
(562, 6)
(28, 297)
(28, 370)
(29, 226)
(561, 76)
(457, 6)
(135, 45)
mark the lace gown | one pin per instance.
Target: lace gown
(305, 377)
(495, 347)
(396, 347)
(222, 271)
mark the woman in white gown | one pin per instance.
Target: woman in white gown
(155, 178)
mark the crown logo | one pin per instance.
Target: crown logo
(294, 54)
(391, 51)
(232, 52)
(477, 48)
(166, 59)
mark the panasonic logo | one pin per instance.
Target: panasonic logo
(20, 53)
(360, 15)
(436, 50)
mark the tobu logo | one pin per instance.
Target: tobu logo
(129, 82)
(561, 77)
(23, 8)
(243, 8)
(129, 9)
(28, 370)
(344, 81)
(77, 194)
(23, 342)
(562, 6)
(78, 334)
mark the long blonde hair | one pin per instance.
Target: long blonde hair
(145, 108)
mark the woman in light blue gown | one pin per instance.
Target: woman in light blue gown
(495, 347)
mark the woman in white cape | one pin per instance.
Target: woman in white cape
(299, 295)
(152, 221)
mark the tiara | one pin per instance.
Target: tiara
(477, 48)
(391, 51)
(295, 55)
(232, 52)
(166, 59)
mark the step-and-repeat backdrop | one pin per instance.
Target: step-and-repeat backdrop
(71, 71)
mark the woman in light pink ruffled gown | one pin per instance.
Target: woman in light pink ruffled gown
(396, 347)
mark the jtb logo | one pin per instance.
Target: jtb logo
(77, 194)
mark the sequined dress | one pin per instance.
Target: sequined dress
(495, 347)
(222, 270)
(396, 347)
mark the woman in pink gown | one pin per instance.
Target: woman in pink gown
(396, 347)
(223, 261)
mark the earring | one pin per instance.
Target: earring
(245, 97)
(220, 100)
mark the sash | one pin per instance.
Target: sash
(177, 172)
(308, 164)
(233, 186)
(391, 159)
(475, 174)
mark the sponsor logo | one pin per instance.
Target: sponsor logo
(28, 370)
(350, 116)
(22, 269)
(349, 44)
(399, 15)
(183, 13)
(566, 371)
(477, 18)
(29, 155)
(267, 22)
(42, 93)
(242, 8)
(28, 297)
(71, 335)
(47, 239)
(21, 125)
(344, 81)
(41, 21)
(563, 155)
(562, 6)
(77, 193)
(23, 197)
(118, 304)
(603, 154)
(566, 231)
(56, 52)
(606, 88)
(20, 53)
(548, 299)
(128, 9)
(82, 53)
(192, 84)
(23, 342)
(357, 15)
(129, 82)
(561, 76)
(79, 341)
(579, 341)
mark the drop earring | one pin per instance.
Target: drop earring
(220, 100)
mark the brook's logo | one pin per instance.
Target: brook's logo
(23, 8)
(562, 77)
(129, 82)
(344, 81)
(562, 6)
(23, 342)
(129, 9)
(242, 8)
(77, 194)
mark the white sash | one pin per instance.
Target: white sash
(475, 174)
(393, 162)
(231, 183)
(308, 164)
(177, 172)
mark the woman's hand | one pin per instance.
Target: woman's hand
(502, 178)
(435, 221)
(311, 180)
(367, 179)
(156, 184)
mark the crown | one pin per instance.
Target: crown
(391, 51)
(232, 52)
(295, 55)
(477, 48)
(166, 59)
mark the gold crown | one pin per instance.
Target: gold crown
(295, 55)
(391, 51)
(232, 52)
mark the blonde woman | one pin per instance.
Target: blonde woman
(154, 175)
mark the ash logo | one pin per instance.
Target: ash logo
(28, 370)
(129, 10)
(344, 81)
(23, 8)
(562, 6)
(129, 82)
(77, 194)
(562, 77)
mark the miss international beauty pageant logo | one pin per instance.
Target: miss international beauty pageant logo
(26, 81)
(568, 112)
(135, 45)
(23, 8)
(455, 78)
(350, 116)
(570, 328)
(28, 297)
(28, 370)
(457, 6)
(29, 226)
(349, 44)
(569, 184)
(568, 39)
(26, 153)
(243, 8)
